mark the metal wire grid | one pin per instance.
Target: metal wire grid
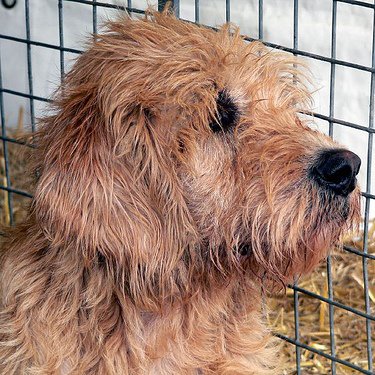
(370, 130)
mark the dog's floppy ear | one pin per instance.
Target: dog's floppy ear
(105, 182)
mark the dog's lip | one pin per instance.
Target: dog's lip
(326, 191)
(343, 193)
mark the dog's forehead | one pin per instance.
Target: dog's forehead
(188, 46)
(184, 66)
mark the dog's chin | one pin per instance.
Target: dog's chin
(345, 210)
(277, 262)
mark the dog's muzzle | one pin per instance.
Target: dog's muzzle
(336, 170)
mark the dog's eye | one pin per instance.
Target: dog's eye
(227, 113)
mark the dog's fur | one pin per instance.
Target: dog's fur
(160, 213)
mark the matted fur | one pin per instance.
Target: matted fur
(151, 238)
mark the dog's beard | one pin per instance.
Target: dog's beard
(281, 256)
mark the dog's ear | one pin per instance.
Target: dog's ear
(106, 183)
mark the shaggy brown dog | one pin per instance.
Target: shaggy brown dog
(175, 184)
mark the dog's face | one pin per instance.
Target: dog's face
(262, 184)
(185, 145)
(258, 181)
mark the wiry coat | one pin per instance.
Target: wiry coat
(154, 226)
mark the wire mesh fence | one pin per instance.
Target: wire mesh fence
(334, 125)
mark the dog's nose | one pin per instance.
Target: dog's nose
(336, 170)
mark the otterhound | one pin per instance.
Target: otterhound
(176, 182)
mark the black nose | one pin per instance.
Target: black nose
(336, 170)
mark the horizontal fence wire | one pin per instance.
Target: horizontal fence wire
(323, 354)
(334, 126)
(358, 3)
(331, 302)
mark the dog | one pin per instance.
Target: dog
(176, 182)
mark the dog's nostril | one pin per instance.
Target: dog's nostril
(336, 170)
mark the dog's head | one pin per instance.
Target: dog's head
(176, 150)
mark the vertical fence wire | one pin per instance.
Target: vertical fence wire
(260, 19)
(296, 329)
(295, 292)
(61, 39)
(367, 204)
(7, 192)
(175, 4)
(95, 17)
(333, 67)
(29, 65)
(331, 312)
(196, 11)
(161, 5)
